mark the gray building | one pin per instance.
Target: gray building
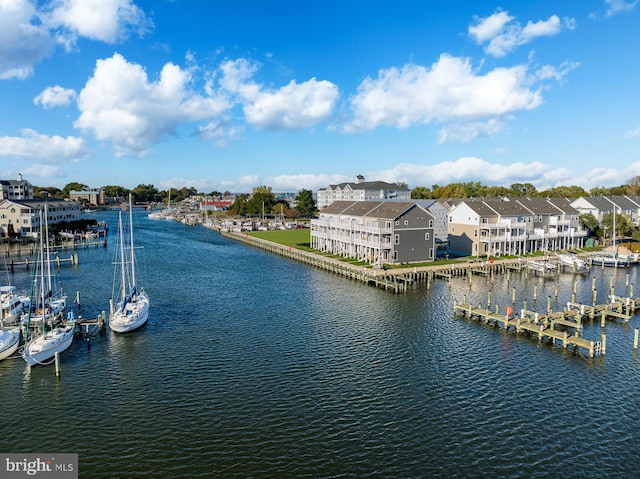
(377, 232)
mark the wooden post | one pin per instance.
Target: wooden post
(556, 291)
(602, 318)
(604, 344)
(594, 295)
(535, 292)
(57, 361)
(489, 299)
(593, 283)
(635, 339)
(575, 286)
(513, 295)
(549, 304)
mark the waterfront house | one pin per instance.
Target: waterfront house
(25, 215)
(377, 232)
(599, 206)
(554, 224)
(16, 189)
(361, 190)
(495, 226)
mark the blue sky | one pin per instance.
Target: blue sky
(230, 95)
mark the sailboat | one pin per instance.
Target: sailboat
(9, 341)
(132, 309)
(44, 347)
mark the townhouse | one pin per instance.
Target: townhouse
(361, 190)
(377, 232)
(495, 226)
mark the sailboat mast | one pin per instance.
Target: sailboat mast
(122, 262)
(133, 263)
(42, 273)
(46, 234)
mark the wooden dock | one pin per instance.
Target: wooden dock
(12, 263)
(540, 325)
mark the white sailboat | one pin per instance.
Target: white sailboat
(132, 309)
(44, 347)
(9, 341)
(10, 305)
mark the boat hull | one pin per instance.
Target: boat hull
(134, 315)
(44, 347)
(9, 342)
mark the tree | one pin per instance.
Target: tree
(589, 222)
(262, 200)
(622, 225)
(633, 186)
(524, 189)
(113, 191)
(47, 192)
(239, 206)
(420, 193)
(305, 203)
(72, 187)
(143, 193)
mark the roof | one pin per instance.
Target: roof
(369, 185)
(372, 209)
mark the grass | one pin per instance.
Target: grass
(301, 239)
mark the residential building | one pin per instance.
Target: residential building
(16, 189)
(495, 226)
(25, 215)
(92, 196)
(361, 190)
(599, 206)
(377, 232)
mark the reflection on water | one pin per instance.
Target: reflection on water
(255, 366)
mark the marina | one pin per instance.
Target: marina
(280, 368)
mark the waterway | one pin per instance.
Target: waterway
(252, 365)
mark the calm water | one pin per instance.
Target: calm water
(255, 366)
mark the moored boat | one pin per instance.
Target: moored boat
(9, 341)
(44, 347)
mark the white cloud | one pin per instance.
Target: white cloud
(503, 35)
(632, 134)
(220, 131)
(450, 91)
(43, 172)
(619, 6)
(489, 27)
(35, 146)
(104, 20)
(30, 30)
(54, 96)
(120, 104)
(295, 106)
(24, 41)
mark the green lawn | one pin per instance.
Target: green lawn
(299, 239)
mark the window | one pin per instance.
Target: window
(406, 222)
(395, 256)
(426, 236)
(430, 253)
(475, 233)
(397, 222)
(430, 223)
(453, 229)
(397, 239)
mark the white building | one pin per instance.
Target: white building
(361, 190)
(25, 215)
(16, 189)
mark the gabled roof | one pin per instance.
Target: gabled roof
(368, 185)
(372, 209)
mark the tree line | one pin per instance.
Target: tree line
(261, 201)
(477, 189)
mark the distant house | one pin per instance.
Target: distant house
(377, 232)
(209, 205)
(361, 190)
(25, 215)
(93, 196)
(599, 206)
(16, 189)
